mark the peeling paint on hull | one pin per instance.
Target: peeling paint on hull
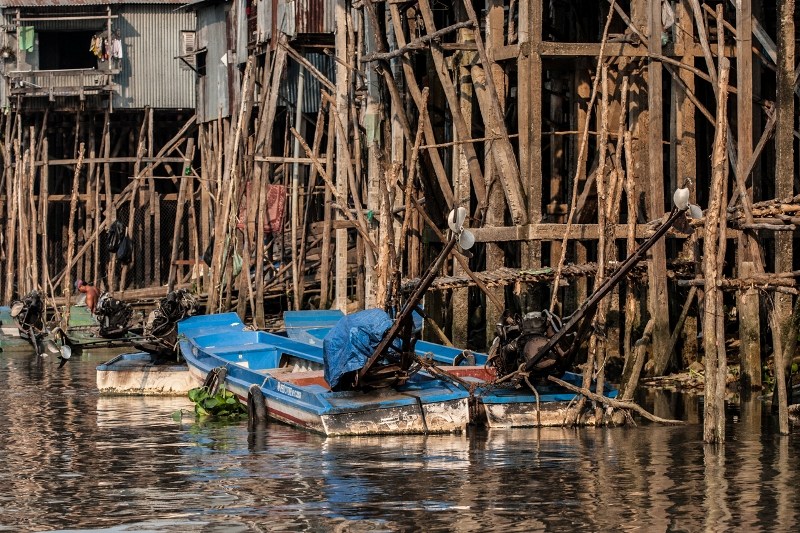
(438, 417)
(520, 415)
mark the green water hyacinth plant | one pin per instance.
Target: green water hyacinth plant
(219, 404)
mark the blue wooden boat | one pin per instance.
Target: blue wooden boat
(494, 407)
(289, 375)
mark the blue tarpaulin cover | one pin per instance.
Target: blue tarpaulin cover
(351, 342)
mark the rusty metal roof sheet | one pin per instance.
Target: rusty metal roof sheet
(78, 3)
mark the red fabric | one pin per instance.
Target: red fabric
(275, 208)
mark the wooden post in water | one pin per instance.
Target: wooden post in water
(747, 301)
(784, 187)
(713, 317)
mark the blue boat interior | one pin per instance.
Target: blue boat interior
(311, 327)
(316, 324)
(287, 359)
(269, 360)
(226, 337)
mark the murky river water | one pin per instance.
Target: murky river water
(71, 459)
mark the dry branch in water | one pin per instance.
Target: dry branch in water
(617, 404)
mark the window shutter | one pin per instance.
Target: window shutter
(188, 47)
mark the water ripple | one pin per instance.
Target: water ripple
(74, 460)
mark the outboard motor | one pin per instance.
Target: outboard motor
(29, 312)
(539, 344)
(30, 316)
(113, 315)
(519, 339)
(161, 326)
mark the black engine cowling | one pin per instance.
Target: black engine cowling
(161, 326)
(29, 312)
(114, 316)
(519, 340)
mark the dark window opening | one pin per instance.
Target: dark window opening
(201, 63)
(62, 50)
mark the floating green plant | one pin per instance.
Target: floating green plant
(221, 404)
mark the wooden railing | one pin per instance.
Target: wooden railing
(55, 83)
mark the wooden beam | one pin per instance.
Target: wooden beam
(529, 125)
(103, 160)
(459, 327)
(496, 209)
(556, 49)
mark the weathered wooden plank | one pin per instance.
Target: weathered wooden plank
(452, 101)
(494, 121)
(416, 95)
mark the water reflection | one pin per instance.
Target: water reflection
(75, 460)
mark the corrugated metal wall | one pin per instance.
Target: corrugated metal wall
(312, 87)
(306, 16)
(151, 74)
(315, 16)
(213, 99)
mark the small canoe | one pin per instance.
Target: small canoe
(289, 376)
(143, 374)
(494, 407)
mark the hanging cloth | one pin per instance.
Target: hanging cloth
(116, 48)
(26, 37)
(96, 46)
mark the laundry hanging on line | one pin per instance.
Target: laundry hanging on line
(103, 49)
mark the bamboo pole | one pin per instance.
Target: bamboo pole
(581, 160)
(132, 204)
(22, 235)
(176, 233)
(325, 254)
(12, 182)
(73, 205)
(597, 347)
(295, 218)
(630, 297)
(44, 192)
(264, 145)
(33, 217)
(312, 182)
(225, 220)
